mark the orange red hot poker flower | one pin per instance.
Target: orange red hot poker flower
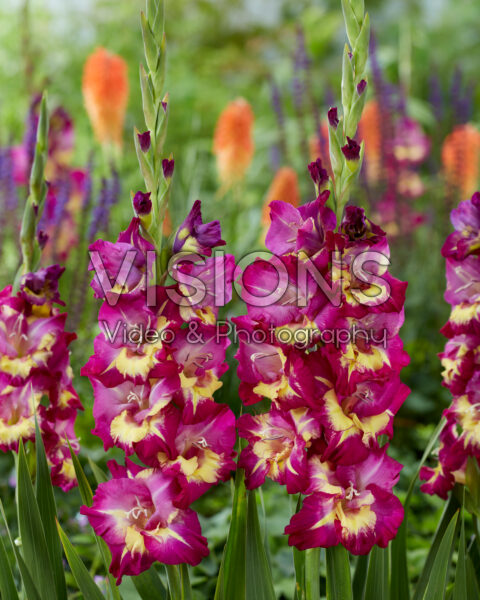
(233, 142)
(460, 158)
(105, 93)
(370, 133)
(284, 187)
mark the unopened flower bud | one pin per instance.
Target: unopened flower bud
(42, 239)
(142, 204)
(144, 141)
(361, 87)
(318, 174)
(351, 150)
(168, 166)
(333, 116)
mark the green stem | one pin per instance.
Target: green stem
(155, 109)
(312, 574)
(31, 250)
(355, 55)
(174, 583)
(339, 583)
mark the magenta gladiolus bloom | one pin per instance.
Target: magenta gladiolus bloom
(34, 364)
(352, 505)
(410, 145)
(140, 515)
(327, 353)
(460, 438)
(195, 236)
(156, 365)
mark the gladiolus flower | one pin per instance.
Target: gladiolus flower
(350, 505)
(331, 398)
(461, 157)
(34, 364)
(155, 368)
(460, 437)
(233, 141)
(139, 514)
(410, 144)
(195, 236)
(105, 92)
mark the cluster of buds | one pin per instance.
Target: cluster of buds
(156, 366)
(460, 437)
(329, 360)
(35, 373)
(67, 186)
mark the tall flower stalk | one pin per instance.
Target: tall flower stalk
(158, 360)
(30, 245)
(346, 154)
(157, 170)
(327, 359)
(460, 437)
(34, 355)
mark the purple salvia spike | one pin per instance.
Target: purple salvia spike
(436, 97)
(275, 157)
(97, 217)
(277, 106)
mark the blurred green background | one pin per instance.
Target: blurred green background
(219, 50)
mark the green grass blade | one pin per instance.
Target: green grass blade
(220, 587)
(149, 585)
(185, 583)
(473, 591)
(80, 572)
(87, 497)
(48, 515)
(299, 564)
(399, 585)
(30, 589)
(447, 515)
(460, 589)
(83, 485)
(28, 583)
(259, 584)
(233, 578)
(34, 545)
(360, 577)
(100, 476)
(426, 454)
(437, 581)
(339, 586)
(174, 584)
(377, 577)
(8, 591)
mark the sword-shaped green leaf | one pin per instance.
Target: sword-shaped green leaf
(34, 545)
